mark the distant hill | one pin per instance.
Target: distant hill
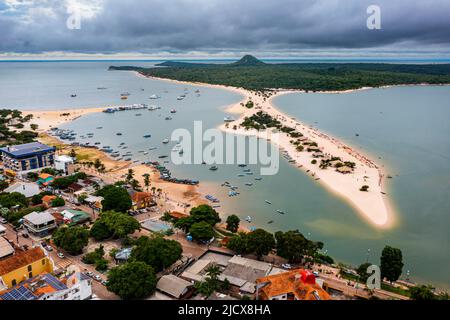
(253, 74)
(248, 61)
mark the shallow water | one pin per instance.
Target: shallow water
(406, 127)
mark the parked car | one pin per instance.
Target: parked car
(43, 243)
(3, 220)
(104, 282)
(97, 277)
(286, 266)
(316, 274)
(90, 274)
(61, 255)
(49, 248)
(25, 235)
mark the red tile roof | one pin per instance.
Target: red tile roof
(21, 259)
(296, 282)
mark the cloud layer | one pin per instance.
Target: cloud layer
(110, 26)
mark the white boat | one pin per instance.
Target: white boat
(173, 111)
(180, 98)
(176, 148)
(268, 202)
(154, 96)
(165, 141)
(151, 108)
(228, 119)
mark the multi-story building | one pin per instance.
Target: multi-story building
(39, 223)
(76, 286)
(28, 156)
(23, 265)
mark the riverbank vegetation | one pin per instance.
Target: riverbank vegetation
(253, 74)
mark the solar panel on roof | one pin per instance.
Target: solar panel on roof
(55, 283)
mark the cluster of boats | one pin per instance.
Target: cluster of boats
(166, 175)
(64, 134)
(211, 198)
(136, 106)
(286, 155)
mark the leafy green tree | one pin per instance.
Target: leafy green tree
(184, 224)
(120, 224)
(233, 223)
(37, 199)
(260, 242)
(58, 202)
(9, 200)
(32, 176)
(422, 292)
(94, 256)
(34, 126)
(391, 263)
(202, 213)
(292, 245)
(205, 213)
(3, 185)
(201, 231)
(238, 243)
(101, 265)
(133, 280)
(115, 198)
(157, 252)
(100, 231)
(362, 272)
(71, 239)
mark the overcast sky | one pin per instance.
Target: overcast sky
(224, 27)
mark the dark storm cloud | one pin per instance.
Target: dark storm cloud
(209, 25)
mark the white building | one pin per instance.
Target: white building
(28, 189)
(39, 223)
(63, 163)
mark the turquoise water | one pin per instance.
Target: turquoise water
(408, 129)
(410, 135)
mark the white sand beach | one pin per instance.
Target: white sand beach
(373, 205)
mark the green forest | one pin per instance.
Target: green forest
(253, 74)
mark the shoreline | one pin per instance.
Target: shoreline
(373, 206)
(332, 182)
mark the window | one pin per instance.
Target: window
(30, 275)
(29, 268)
(14, 282)
(43, 262)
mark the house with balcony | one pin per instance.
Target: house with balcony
(39, 224)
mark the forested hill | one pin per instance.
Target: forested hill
(251, 73)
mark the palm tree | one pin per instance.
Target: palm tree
(213, 272)
(130, 175)
(146, 180)
(153, 190)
